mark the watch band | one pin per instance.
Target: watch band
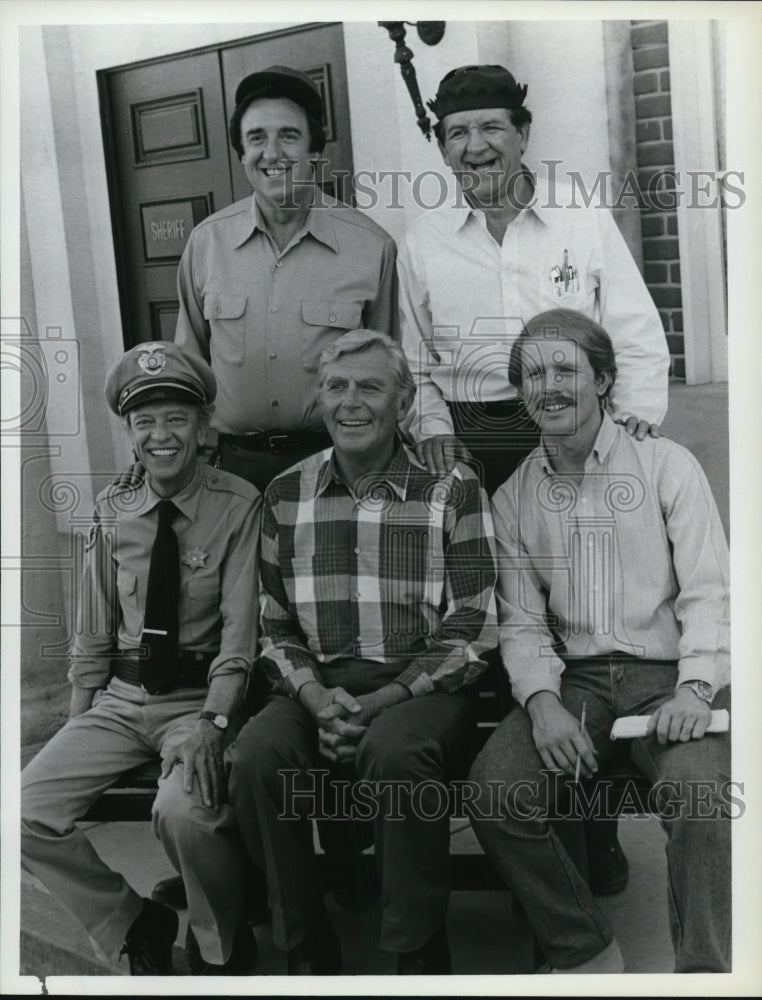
(701, 689)
(218, 720)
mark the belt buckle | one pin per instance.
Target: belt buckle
(277, 442)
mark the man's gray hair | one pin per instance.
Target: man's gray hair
(362, 340)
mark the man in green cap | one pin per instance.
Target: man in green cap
(165, 638)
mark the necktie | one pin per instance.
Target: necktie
(161, 624)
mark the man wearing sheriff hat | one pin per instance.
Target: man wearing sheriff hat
(166, 634)
(471, 274)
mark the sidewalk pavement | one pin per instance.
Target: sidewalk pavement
(486, 935)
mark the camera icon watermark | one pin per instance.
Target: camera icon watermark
(48, 373)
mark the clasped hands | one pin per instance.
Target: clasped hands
(342, 718)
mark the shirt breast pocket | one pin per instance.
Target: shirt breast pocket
(203, 588)
(203, 591)
(127, 585)
(227, 322)
(324, 321)
(577, 292)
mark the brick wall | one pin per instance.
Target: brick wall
(653, 109)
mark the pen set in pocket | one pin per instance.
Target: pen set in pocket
(565, 279)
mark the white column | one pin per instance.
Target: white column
(694, 123)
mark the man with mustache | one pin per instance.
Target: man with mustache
(612, 601)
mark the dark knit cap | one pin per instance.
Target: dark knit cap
(471, 87)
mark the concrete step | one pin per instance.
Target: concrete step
(486, 934)
(52, 943)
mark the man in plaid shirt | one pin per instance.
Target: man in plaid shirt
(377, 605)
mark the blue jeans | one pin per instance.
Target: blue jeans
(514, 832)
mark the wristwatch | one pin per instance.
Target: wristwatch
(217, 720)
(701, 689)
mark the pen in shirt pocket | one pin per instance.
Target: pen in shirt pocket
(564, 279)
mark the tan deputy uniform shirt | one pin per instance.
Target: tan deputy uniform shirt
(217, 528)
(261, 316)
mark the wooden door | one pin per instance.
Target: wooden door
(170, 163)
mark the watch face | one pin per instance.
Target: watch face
(702, 690)
(220, 721)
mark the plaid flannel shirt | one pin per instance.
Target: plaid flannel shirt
(404, 573)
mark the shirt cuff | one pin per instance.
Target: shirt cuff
(224, 666)
(524, 689)
(89, 675)
(417, 681)
(697, 669)
(296, 680)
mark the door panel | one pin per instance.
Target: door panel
(169, 124)
(170, 163)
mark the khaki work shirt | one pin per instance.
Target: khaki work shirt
(262, 316)
(217, 529)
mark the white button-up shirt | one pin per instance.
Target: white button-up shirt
(464, 299)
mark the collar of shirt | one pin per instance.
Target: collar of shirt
(396, 474)
(604, 442)
(461, 214)
(186, 500)
(317, 224)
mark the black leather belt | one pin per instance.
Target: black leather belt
(192, 668)
(275, 441)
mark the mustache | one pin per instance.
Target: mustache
(548, 399)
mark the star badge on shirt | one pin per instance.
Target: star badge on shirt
(195, 558)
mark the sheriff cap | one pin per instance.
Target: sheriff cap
(155, 372)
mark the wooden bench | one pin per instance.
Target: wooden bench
(130, 799)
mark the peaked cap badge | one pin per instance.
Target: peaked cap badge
(151, 358)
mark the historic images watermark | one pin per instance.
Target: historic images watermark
(664, 189)
(316, 795)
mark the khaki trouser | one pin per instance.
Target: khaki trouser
(125, 728)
